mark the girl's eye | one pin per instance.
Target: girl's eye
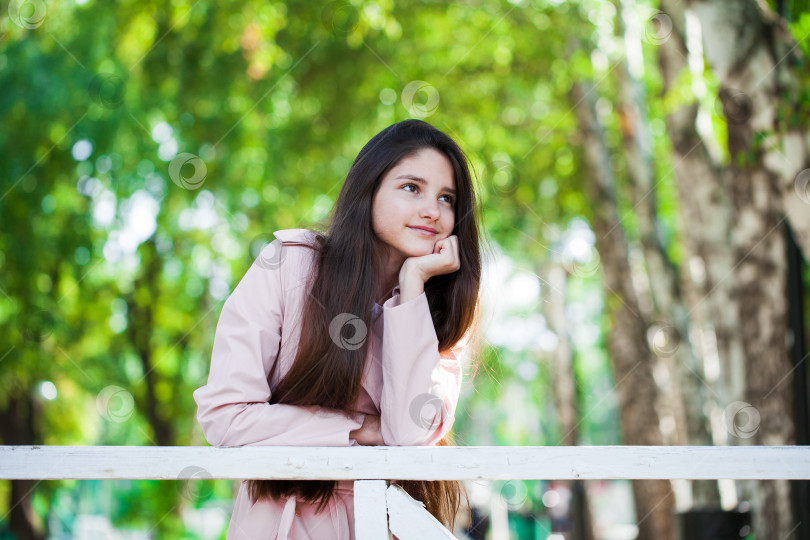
(450, 198)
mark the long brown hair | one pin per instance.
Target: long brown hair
(328, 375)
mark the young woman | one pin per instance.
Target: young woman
(352, 337)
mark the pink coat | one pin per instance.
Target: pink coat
(407, 382)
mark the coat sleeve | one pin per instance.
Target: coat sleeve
(421, 387)
(233, 407)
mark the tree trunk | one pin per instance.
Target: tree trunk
(752, 55)
(18, 427)
(565, 394)
(682, 389)
(632, 360)
(141, 328)
(706, 216)
(759, 67)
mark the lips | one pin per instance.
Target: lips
(424, 231)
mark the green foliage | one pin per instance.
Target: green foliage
(115, 266)
(276, 99)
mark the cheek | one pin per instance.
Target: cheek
(380, 209)
(386, 218)
(448, 220)
(393, 210)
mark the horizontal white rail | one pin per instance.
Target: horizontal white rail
(406, 462)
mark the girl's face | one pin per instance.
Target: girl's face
(419, 191)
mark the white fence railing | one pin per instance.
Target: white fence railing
(380, 508)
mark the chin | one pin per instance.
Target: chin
(416, 252)
(413, 249)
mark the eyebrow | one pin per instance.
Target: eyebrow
(421, 180)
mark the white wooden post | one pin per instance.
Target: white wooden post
(370, 513)
(409, 520)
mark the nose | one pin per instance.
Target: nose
(430, 210)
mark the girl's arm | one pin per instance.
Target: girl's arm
(233, 407)
(420, 386)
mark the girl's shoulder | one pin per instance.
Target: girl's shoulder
(293, 263)
(304, 237)
(295, 260)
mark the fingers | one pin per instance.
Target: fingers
(452, 244)
(448, 249)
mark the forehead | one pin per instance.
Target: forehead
(428, 164)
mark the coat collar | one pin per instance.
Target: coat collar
(297, 236)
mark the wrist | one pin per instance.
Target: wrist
(410, 289)
(410, 274)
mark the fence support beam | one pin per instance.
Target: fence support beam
(370, 512)
(409, 520)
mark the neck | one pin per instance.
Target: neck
(389, 278)
(386, 288)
